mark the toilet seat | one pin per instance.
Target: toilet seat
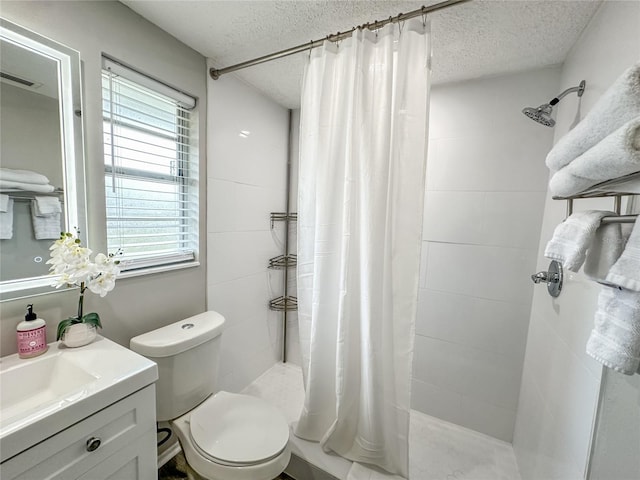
(238, 430)
(209, 466)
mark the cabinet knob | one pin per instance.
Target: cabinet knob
(93, 443)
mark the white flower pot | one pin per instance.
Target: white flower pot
(79, 334)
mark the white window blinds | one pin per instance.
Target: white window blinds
(151, 169)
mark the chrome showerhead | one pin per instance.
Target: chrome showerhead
(542, 114)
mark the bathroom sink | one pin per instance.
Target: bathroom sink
(41, 396)
(43, 384)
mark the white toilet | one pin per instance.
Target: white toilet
(225, 436)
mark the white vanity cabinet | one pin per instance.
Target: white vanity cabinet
(78, 413)
(117, 442)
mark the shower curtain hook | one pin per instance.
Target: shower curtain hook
(310, 48)
(424, 17)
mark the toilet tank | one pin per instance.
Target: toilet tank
(187, 356)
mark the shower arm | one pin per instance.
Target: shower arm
(579, 89)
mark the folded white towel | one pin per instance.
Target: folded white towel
(24, 176)
(45, 227)
(626, 271)
(619, 104)
(29, 187)
(4, 203)
(615, 156)
(615, 340)
(6, 221)
(47, 206)
(572, 238)
(605, 250)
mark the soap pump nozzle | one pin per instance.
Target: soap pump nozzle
(31, 315)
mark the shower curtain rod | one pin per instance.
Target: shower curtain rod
(217, 72)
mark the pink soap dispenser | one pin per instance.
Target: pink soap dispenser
(32, 335)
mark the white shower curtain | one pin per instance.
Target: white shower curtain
(363, 138)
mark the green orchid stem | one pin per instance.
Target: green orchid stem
(81, 301)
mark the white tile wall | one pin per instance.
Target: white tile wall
(486, 184)
(246, 181)
(618, 440)
(560, 382)
(495, 273)
(487, 317)
(483, 218)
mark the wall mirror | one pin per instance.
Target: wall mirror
(41, 156)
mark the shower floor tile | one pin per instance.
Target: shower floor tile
(438, 450)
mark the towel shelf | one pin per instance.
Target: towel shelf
(624, 186)
(24, 195)
(621, 186)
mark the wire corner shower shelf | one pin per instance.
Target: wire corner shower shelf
(284, 304)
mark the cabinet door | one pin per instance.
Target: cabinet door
(136, 461)
(66, 455)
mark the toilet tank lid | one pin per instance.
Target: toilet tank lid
(179, 336)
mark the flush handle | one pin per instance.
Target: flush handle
(553, 278)
(93, 443)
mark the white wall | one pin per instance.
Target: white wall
(142, 303)
(486, 185)
(560, 382)
(246, 182)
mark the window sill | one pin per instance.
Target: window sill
(158, 269)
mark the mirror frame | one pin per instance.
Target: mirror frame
(73, 167)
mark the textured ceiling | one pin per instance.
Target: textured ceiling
(475, 39)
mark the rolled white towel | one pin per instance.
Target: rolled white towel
(572, 238)
(24, 176)
(619, 104)
(29, 187)
(615, 340)
(626, 271)
(47, 206)
(615, 156)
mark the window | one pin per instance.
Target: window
(151, 169)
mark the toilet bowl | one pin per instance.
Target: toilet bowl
(234, 437)
(224, 436)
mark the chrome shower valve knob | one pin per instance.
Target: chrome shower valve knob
(553, 278)
(542, 277)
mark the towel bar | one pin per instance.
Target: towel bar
(620, 219)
